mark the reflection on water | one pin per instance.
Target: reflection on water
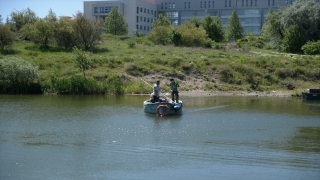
(100, 137)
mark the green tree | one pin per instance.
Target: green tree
(87, 31)
(6, 36)
(196, 21)
(40, 32)
(160, 35)
(64, 34)
(21, 18)
(175, 36)
(191, 35)
(305, 14)
(234, 29)
(81, 60)
(293, 39)
(213, 27)
(115, 23)
(272, 29)
(161, 21)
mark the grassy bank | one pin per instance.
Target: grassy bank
(119, 63)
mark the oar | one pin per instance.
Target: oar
(152, 87)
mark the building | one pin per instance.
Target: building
(140, 13)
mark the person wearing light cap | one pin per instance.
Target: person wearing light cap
(156, 91)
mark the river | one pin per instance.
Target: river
(110, 137)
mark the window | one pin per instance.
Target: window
(144, 28)
(165, 5)
(145, 11)
(148, 28)
(268, 2)
(272, 2)
(255, 2)
(140, 27)
(169, 5)
(201, 4)
(140, 18)
(155, 13)
(246, 2)
(243, 3)
(145, 19)
(173, 6)
(209, 4)
(189, 4)
(140, 9)
(161, 5)
(137, 26)
(229, 3)
(137, 18)
(205, 4)
(185, 5)
(225, 3)
(137, 10)
(96, 10)
(212, 3)
(250, 2)
(151, 12)
(148, 20)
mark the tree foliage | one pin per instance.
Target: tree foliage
(6, 36)
(115, 23)
(196, 21)
(301, 19)
(21, 18)
(213, 27)
(64, 34)
(87, 31)
(160, 35)
(161, 21)
(191, 35)
(234, 29)
(81, 60)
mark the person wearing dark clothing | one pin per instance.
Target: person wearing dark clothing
(174, 90)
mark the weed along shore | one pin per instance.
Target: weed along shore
(115, 67)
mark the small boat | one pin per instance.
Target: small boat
(163, 107)
(313, 94)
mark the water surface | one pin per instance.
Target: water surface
(99, 137)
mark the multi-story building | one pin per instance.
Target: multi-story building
(140, 13)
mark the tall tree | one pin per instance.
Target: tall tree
(213, 27)
(64, 34)
(115, 23)
(87, 31)
(294, 39)
(234, 29)
(161, 21)
(20, 18)
(272, 28)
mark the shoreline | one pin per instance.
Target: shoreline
(201, 93)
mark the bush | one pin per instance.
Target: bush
(311, 48)
(17, 75)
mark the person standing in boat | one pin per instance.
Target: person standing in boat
(174, 90)
(156, 91)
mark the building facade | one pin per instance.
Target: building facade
(140, 13)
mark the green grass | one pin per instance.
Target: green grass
(129, 58)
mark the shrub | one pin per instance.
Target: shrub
(311, 48)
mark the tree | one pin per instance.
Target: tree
(191, 35)
(304, 14)
(234, 29)
(160, 35)
(294, 39)
(214, 28)
(64, 34)
(115, 23)
(6, 36)
(161, 21)
(196, 21)
(41, 32)
(21, 18)
(272, 29)
(81, 60)
(87, 31)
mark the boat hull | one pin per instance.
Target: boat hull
(153, 108)
(311, 96)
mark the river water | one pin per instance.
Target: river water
(102, 137)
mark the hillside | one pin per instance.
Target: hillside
(198, 70)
